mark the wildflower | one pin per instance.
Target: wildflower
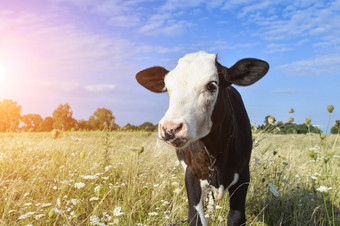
(55, 133)
(273, 189)
(56, 210)
(89, 177)
(323, 189)
(218, 207)
(58, 202)
(51, 213)
(75, 138)
(74, 201)
(291, 119)
(98, 189)
(55, 187)
(337, 124)
(37, 217)
(79, 185)
(165, 202)
(313, 177)
(46, 205)
(94, 220)
(94, 199)
(175, 184)
(153, 214)
(26, 215)
(106, 217)
(271, 120)
(117, 211)
(82, 155)
(308, 121)
(107, 168)
(73, 214)
(177, 190)
(330, 108)
(291, 111)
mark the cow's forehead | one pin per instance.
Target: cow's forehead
(193, 69)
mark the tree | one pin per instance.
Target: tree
(129, 127)
(83, 125)
(62, 118)
(46, 125)
(336, 128)
(101, 117)
(9, 115)
(148, 126)
(32, 122)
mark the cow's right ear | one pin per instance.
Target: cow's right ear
(152, 79)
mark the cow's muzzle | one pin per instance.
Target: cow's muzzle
(173, 134)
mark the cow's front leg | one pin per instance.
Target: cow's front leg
(238, 193)
(194, 191)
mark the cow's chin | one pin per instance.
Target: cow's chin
(177, 142)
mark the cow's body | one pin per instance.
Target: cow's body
(208, 125)
(221, 159)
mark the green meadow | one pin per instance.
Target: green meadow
(131, 178)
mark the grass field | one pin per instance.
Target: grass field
(106, 178)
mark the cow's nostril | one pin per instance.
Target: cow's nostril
(168, 134)
(179, 128)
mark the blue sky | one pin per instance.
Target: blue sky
(87, 52)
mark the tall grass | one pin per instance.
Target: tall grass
(122, 178)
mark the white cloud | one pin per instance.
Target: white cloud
(275, 48)
(125, 21)
(100, 88)
(287, 91)
(38, 43)
(255, 7)
(174, 5)
(326, 65)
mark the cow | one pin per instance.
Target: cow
(208, 125)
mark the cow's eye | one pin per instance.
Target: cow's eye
(212, 86)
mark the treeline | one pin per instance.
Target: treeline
(279, 127)
(61, 119)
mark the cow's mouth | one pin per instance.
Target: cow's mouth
(177, 142)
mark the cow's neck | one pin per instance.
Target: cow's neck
(223, 130)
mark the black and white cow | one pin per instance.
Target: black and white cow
(208, 125)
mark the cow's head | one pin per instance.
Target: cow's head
(193, 87)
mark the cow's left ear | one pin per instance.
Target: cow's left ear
(152, 79)
(246, 71)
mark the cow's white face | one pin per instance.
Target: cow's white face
(193, 88)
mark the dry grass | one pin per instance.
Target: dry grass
(71, 180)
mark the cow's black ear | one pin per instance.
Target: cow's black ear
(247, 71)
(152, 79)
